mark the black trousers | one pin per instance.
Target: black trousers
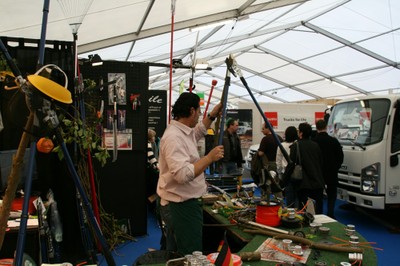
(315, 194)
(331, 191)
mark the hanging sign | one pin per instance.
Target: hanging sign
(157, 112)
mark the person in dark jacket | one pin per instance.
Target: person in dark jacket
(267, 153)
(312, 184)
(233, 159)
(268, 147)
(332, 154)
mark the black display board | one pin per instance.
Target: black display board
(158, 111)
(25, 53)
(122, 183)
(51, 172)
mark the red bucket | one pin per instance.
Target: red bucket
(18, 203)
(268, 215)
(6, 262)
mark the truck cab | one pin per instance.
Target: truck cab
(368, 129)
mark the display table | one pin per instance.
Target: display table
(337, 237)
(32, 247)
(329, 257)
(31, 224)
(236, 231)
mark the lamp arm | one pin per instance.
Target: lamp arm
(21, 82)
(56, 67)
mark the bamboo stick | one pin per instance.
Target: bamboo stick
(13, 178)
(304, 241)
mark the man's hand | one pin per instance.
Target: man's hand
(216, 111)
(216, 154)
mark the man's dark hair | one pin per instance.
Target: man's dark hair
(266, 127)
(184, 103)
(320, 125)
(230, 122)
(306, 129)
(291, 134)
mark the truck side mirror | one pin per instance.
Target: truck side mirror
(394, 160)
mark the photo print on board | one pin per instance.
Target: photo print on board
(121, 119)
(117, 89)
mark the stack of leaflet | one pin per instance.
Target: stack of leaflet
(223, 181)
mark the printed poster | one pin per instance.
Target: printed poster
(124, 139)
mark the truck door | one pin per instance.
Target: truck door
(393, 162)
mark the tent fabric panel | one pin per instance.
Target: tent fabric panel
(292, 74)
(301, 43)
(391, 50)
(341, 61)
(375, 81)
(259, 61)
(327, 89)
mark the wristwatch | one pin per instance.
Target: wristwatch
(212, 118)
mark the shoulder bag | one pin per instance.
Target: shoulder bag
(297, 174)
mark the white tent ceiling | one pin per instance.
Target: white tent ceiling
(288, 50)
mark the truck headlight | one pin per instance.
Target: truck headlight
(370, 176)
(369, 186)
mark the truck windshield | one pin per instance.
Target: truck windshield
(360, 122)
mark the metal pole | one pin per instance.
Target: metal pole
(46, 6)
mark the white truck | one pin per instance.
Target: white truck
(280, 116)
(368, 129)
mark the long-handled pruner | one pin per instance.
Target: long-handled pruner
(267, 123)
(115, 125)
(221, 119)
(213, 84)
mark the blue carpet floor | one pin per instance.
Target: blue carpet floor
(126, 254)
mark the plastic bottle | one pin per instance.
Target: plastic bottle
(55, 220)
(56, 226)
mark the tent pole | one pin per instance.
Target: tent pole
(170, 58)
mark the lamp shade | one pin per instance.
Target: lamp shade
(96, 60)
(51, 88)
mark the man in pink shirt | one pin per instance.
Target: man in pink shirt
(182, 182)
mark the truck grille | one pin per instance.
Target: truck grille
(350, 182)
(349, 188)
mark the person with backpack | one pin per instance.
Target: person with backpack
(268, 147)
(268, 177)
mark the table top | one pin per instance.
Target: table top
(13, 225)
(272, 249)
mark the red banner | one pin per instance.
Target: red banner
(272, 118)
(319, 116)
